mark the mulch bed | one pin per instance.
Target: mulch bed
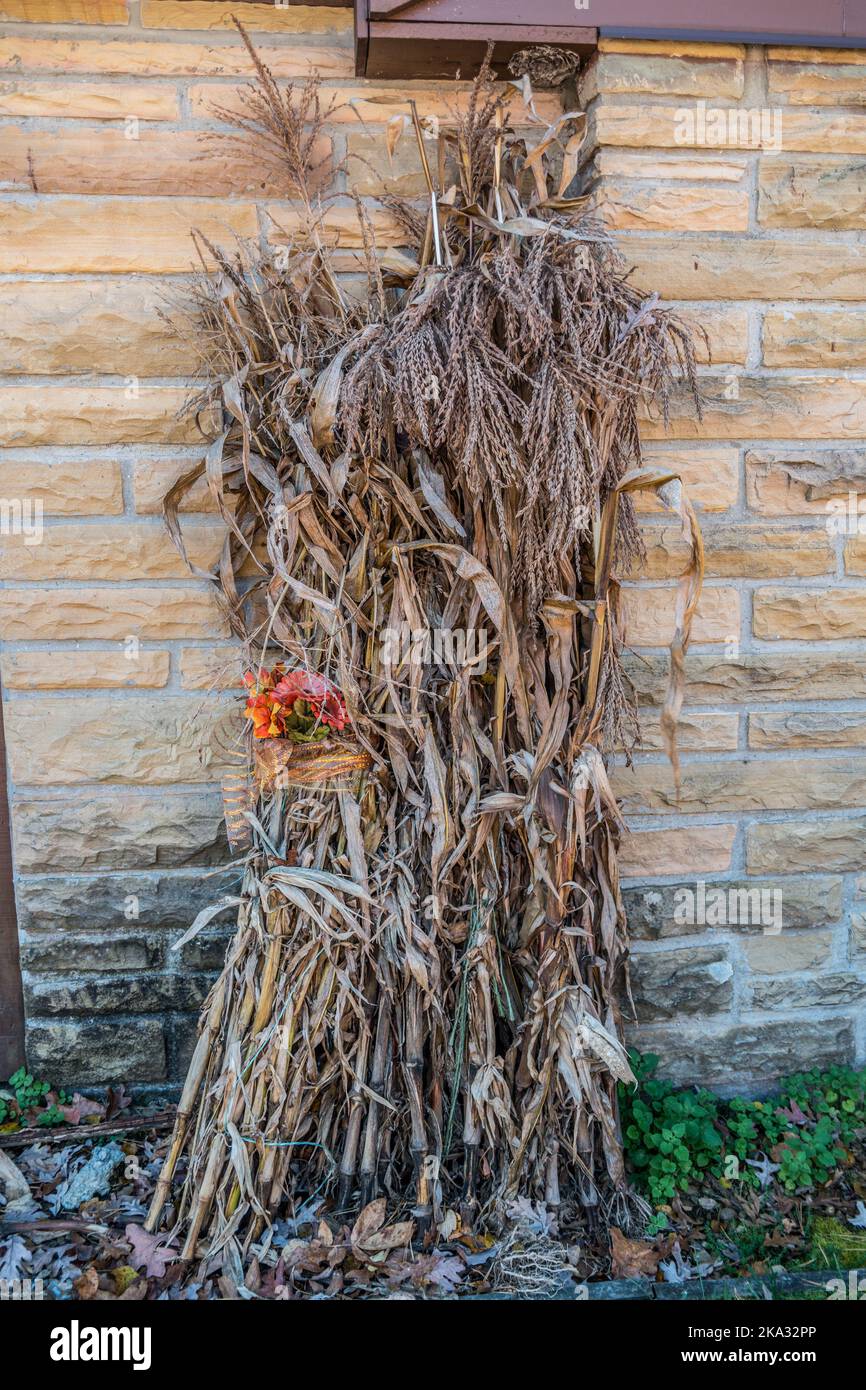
(723, 1241)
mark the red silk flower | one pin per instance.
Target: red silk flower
(293, 704)
(324, 699)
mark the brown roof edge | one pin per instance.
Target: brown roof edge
(443, 38)
(777, 40)
(11, 1002)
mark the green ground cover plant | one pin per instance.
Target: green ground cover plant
(25, 1100)
(796, 1138)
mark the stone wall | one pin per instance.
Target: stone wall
(737, 184)
(111, 149)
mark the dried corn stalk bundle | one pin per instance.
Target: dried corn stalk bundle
(422, 997)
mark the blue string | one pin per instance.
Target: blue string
(279, 1143)
(286, 1143)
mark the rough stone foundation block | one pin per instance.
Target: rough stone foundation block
(639, 74)
(838, 83)
(73, 1053)
(671, 983)
(803, 481)
(712, 733)
(139, 994)
(138, 413)
(70, 954)
(636, 206)
(210, 668)
(134, 902)
(748, 1056)
(738, 406)
(816, 992)
(709, 473)
(696, 906)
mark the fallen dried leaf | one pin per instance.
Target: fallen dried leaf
(631, 1259)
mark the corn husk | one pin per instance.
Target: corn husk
(423, 996)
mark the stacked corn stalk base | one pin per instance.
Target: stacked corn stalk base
(422, 997)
